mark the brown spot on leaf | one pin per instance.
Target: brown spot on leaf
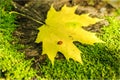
(59, 42)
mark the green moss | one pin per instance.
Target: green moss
(12, 63)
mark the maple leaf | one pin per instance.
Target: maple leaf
(61, 29)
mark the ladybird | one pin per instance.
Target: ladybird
(59, 42)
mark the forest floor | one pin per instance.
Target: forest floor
(101, 61)
(28, 29)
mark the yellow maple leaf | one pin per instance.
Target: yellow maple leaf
(61, 29)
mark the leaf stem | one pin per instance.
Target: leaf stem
(27, 17)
